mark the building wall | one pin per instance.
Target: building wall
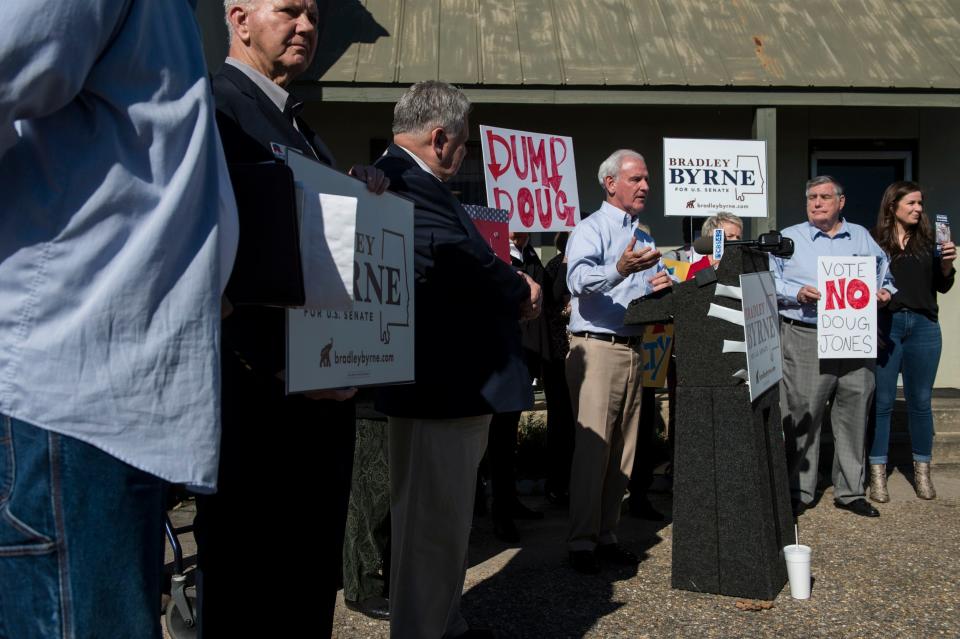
(598, 130)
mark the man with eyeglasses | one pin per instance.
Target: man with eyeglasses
(808, 382)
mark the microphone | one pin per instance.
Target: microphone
(770, 242)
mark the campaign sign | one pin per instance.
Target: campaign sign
(371, 342)
(656, 346)
(533, 176)
(677, 268)
(761, 330)
(702, 177)
(492, 225)
(847, 309)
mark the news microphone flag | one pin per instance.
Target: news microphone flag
(494, 226)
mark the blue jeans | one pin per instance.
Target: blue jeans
(911, 343)
(81, 540)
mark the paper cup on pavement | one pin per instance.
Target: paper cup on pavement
(798, 570)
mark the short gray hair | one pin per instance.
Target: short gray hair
(823, 179)
(717, 220)
(431, 104)
(611, 166)
(226, 12)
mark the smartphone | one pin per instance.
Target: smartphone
(942, 225)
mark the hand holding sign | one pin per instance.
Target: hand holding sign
(808, 295)
(530, 309)
(883, 297)
(373, 177)
(661, 281)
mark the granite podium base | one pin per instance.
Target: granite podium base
(731, 498)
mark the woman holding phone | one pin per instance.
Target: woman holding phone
(909, 331)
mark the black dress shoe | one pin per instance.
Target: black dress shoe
(373, 607)
(643, 509)
(798, 508)
(859, 507)
(506, 530)
(617, 554)
(584, 561)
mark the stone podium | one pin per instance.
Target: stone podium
(731, 496)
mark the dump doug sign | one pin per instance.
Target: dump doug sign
(533, 176)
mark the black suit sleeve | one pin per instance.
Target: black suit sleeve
(447, 250)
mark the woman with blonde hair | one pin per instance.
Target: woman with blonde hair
(910, 340)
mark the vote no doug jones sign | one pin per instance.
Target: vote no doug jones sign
(533, 176)
(847, 309)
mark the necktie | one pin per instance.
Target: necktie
(291, 109)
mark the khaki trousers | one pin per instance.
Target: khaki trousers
(433, 477)
(605, 390)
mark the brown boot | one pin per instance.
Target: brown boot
(922, 482)
(878, 483)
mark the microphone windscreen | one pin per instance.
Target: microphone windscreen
(703, 245)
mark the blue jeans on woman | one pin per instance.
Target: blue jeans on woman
(81, 540)
(911, 344)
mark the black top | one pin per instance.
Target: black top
(535, 332)
(918, 280)
(555, 300)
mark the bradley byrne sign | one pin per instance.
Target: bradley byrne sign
(533, 177)
(702, 177)
(761, 329)
(367, 338)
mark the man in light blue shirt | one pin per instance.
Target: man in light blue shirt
(607, 268)
(809, 383)
(117, 233)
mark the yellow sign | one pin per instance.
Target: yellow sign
(657, 345)
(678, 268)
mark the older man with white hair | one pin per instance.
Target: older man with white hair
(293, 452)
(607, 268)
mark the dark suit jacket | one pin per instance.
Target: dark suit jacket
(468, 354)
(248, 122)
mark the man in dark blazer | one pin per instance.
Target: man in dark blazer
(295, 452)
(468, 366)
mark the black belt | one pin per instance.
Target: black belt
(630, 340)
(793, 322)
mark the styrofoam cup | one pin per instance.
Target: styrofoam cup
(798, 570)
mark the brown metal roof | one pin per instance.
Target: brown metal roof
(859, 44)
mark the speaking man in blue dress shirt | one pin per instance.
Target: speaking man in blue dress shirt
(607, 269)
(117, 232)
(809, 383)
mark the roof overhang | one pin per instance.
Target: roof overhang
(673, 97)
